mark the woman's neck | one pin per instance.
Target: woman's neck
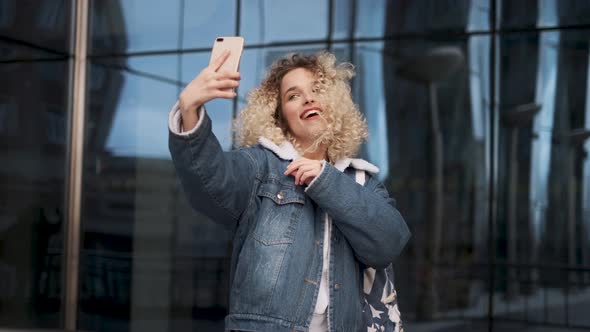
(321, 153)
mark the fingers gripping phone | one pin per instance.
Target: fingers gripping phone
(235, 45)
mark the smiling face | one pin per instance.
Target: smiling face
(300, 106)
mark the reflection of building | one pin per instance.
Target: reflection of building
(511, 226)
(33, 115)
(538, 225)
(145, 255)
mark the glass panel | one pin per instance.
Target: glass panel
(370, 18)
(370, 95)
(127, 178)
(341, 13)
(42, 24)
(543, 13)
(430, 16)
(542, 210)
(437, 104)
(266, 21)
(148, 262)
(206, 20)
(33, 122)
(10, 51)
(128, 26)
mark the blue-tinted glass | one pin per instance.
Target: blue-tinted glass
(342, 16)
(33, 121)
(129, 26)
(435, 108)
(11, 51)
(44, 24)
(370, 18)
(206, 20)
(137, 26)
(265, 21)
(429, 16)
(543, 222)
(145, 253)
(369, 94)
(544, 13)
(137, 104)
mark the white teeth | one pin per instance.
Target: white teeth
(310, 113)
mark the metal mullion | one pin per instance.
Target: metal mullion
(237, 31)
(13, 61)
(233, 137)
(441, 34)
(493, 168)
(31, 45)
(330, 24)
(75, 164)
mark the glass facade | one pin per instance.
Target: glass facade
(479, 119)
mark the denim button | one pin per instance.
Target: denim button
(280, 196)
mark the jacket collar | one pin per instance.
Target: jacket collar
(286, 151)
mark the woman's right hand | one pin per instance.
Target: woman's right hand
(208, 85)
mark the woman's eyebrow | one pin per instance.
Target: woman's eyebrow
(290, 89)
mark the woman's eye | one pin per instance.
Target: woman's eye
(291, 97)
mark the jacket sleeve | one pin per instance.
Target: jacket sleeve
(218, 184)
(365, 215)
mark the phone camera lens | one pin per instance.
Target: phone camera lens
(219, 39)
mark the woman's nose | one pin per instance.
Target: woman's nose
(309, 99)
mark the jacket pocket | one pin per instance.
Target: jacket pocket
(280, 208)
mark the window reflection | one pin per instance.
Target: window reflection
(437, 138)
(542, 229)
(429, 16)
(44, 24)
(114, 21)
(11, 51)
(265, 21)
(341, 16)
(158, 25)
(32, 200)
(370, 17)
(542, 13)
(148, 262)
(369, 94)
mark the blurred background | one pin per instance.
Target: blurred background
(479, 117)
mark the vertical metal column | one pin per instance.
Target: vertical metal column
(75, 159)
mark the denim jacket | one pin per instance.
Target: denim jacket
(278, 228)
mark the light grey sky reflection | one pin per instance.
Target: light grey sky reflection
(264, 21)
(370, 95)
(139, 125)
(155, 24)
(543, 126)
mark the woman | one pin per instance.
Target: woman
(303, 228)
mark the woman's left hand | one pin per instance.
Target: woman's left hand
(304, 170)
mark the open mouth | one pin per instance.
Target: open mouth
(310, 114)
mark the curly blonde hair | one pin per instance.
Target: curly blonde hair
(346, 128)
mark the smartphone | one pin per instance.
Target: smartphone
(235, 45)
